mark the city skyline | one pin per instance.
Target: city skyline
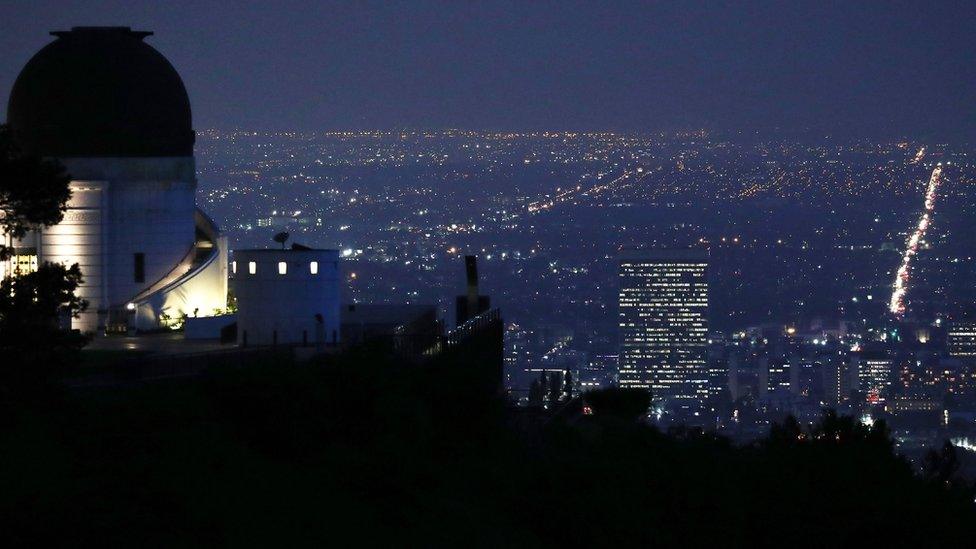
(754, 297)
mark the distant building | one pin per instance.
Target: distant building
(598, 373)
(743, 377)
(961, 339)
(529, 353)
(663, 314)
(718, 366)
(875, 372)
(839, 379)
(776, 377)
(284, 219)
(287, 296)
(913, 403)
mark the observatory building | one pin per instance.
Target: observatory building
(115, 112)
(287, 296)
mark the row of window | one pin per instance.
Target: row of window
(252, 267)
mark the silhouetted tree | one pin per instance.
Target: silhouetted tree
(942, 465)
(837, 429)
(33, 309)
(626, 404)
(394, 445)
(33, 192)
(281, 238)
(787, 433)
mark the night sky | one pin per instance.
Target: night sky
(847, 69)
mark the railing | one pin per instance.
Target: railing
(463, 332)
(472, 326)
(421, 348)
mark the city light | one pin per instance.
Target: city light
(900, 287)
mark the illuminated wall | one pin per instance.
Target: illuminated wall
(198, 289)
(131, 226)
(81, 238)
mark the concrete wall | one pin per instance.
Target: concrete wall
(151, 218)
(207, 327)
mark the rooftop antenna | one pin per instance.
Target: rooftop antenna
(471, 268)
(281, 238)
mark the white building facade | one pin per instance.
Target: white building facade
(287, 297)
(115, 113)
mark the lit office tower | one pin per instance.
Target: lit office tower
(961, 339)
(875, 372)
(664, 324)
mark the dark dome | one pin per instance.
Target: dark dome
(100, 91)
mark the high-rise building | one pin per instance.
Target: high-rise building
(664, 324)
(874, 372)
(718, 366)
(776, 377)
(961, 339)
(839, 379)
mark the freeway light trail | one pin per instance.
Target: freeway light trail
(570, 194)
(897, 304)
(919, 156)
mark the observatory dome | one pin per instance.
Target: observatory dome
(100, 92)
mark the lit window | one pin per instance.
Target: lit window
(233, 267)
(252, 267)
(313, 267)
(282, 267)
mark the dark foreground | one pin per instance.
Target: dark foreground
(363, 449)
